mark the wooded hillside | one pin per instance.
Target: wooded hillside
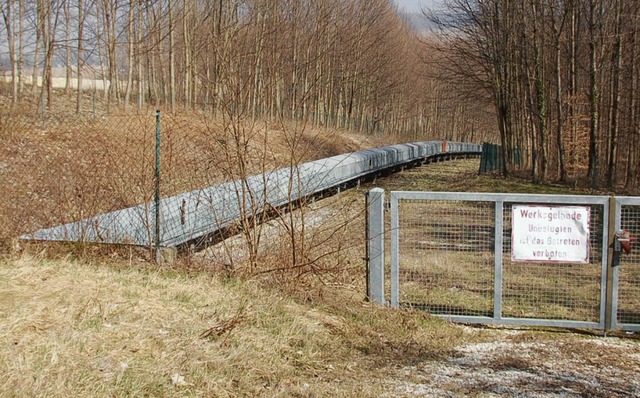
(353, 64)
(554, 81)
(564, 78)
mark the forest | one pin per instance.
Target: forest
(554, 82)
(563, 80)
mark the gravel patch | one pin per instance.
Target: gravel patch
(573, 367)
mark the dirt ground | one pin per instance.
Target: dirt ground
(521, 363)
(515, 362)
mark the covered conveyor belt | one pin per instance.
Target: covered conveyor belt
(190, 216)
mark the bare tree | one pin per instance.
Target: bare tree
(594, 93)
(172, 58)
(558, 18)
(8, 17)
(50, 17)
(616, 96)
(67, 47)
(80, 55)
(130, 53)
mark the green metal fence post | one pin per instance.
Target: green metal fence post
(157, 190)
(492, 158)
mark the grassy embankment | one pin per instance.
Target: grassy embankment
(121, 327)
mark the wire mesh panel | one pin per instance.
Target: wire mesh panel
(554, 289)
(446, 257)
(628, 303)
(451, 254)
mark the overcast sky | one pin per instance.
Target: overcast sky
(414, 5)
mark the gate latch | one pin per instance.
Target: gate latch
(621, 242)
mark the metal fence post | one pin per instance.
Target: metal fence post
(610, 315)
(157, 190)
(376, 245)
(498, 259)
(483, 158)
(366, 239)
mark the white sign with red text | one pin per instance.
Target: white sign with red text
(550, 233)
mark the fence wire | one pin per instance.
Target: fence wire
(629, 270)
(60, 167)
(90, 176)
(447, 261)
(60, 170)
(556, 290)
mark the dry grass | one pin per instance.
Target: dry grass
(94, 325)
(447, 283)
(462, 284)
(321, 244)
(116, 329)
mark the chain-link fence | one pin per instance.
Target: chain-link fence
(151, 178)
(59, 167)
(61, 170)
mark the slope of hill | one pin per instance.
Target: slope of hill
(118, 326)
(59, 166)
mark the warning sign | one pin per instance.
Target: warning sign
(550, 234)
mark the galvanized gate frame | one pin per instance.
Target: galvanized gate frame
(611, 208)
(613, 322)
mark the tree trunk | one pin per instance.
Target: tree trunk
(540, 113)
(106, 83)
(557, 31)
(8, 17)
(80, 64)
(573, 92)
(634, 122)
(186, 34)
(139, 56)
(130, 49)
(594, 95)
(67, 36)
(49, 39)
(615, 117)
(20, 48)
(36, 53)
(172, 60)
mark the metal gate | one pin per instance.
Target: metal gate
(625, 295)
(451, 256)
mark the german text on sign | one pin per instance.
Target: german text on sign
(550, 233)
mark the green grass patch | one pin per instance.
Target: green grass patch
(463, 176)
